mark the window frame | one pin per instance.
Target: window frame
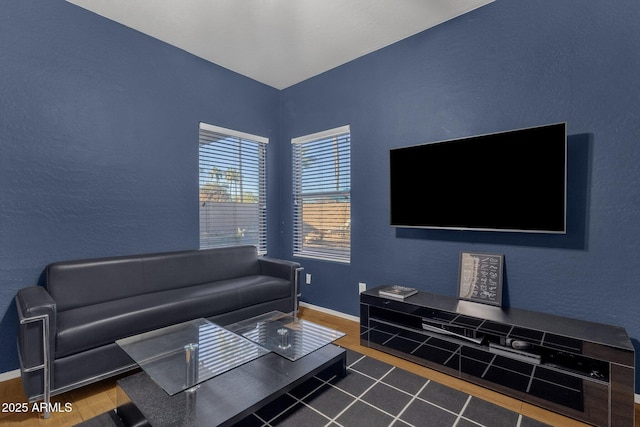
(325, 251)
(207, 134)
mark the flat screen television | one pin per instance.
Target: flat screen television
(512, 181)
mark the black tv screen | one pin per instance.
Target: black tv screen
(507, 181)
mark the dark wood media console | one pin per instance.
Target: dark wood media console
(580, 369)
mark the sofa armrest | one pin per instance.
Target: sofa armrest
(37, 316)
(283, 269)
(278, 268)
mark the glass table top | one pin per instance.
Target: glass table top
(182, 356)
(285, 334)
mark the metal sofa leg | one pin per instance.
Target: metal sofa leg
(298, 294)
(46, 358)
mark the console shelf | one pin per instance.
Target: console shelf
(580, 369)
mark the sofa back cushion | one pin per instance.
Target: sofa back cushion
(83, 282)
(80, 283)
(169, 271)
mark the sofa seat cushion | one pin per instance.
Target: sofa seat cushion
(88, 327)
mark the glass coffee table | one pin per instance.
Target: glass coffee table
(182, 356)
(199, 373)
(285, 334)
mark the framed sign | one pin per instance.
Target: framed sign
(481, 278)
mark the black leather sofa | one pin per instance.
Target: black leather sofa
(68, 327)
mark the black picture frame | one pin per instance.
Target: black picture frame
(480, 277)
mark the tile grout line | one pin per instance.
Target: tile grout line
(297, 401)
(413, 398)
(324, 383)
(380, 381)
(462, 411)
(357, 398)
(301, 400)
(395, 418)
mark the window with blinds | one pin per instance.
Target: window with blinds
(322, 195)
(233, 202)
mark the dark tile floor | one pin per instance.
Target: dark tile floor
(378, 394)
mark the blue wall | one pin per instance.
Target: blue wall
(98, 125)
(99, 142)
(507, 65)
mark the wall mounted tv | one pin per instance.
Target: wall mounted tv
(508, 181)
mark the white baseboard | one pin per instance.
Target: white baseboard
(329, 311)
(10, 375)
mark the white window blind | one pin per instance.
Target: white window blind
(233, 202)
(322, 195)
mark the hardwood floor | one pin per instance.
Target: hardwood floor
(89, 401)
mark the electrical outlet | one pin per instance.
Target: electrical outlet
(308, 279)
(362, 287)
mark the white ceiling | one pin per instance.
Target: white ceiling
(280, 42)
